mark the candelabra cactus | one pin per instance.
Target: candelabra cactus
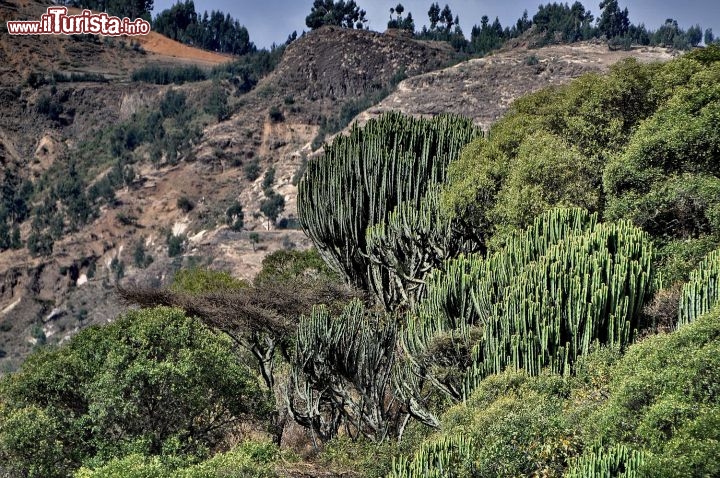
(702, 291)
(551, 293)
(359, 181)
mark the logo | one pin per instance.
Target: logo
(57, 22)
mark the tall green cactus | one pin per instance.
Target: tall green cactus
(702, 291)
(341, 373)
(585, 290)
(618, 461)
(362, 177)
(556, 289)
(437, 458)
(412, 242)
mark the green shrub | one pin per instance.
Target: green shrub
(268, 181)
(288, 266)
(250, 459)
(252, 170)
(234, 217)
(185, 204)
(166, 75)
(152, 381)
(276, 115)
(173, 103)
(653, 412)
(140, 256)
(198, 281)
(176, 244)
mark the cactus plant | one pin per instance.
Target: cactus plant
(411, 243)
(618, 461)
(362, 177)
(555, 290)
(341, 373)
(702, 291)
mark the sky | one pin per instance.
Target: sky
(271, 21)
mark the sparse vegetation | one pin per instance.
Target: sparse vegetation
(140, 256)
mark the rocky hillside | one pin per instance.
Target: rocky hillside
(46, 299)
(322, 76)
(484, 88)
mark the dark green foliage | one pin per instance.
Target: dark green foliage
(272, 206)
(406, 23)
(276, 115)
(361, 178)
(117, 268)
(165, 75)
(486, 37)
(234, 217)
(667, 180)
(254, 239)
(152, 381)
(50, 107)
(217, 103)
(572, 23)
(636, 144)
(173, 103)
(185, 204)
(252, 170)
(340, 13)
(140, 256)
(176, 245)
(268, 181)
(613, 22)
(245, 72)
(215, 32)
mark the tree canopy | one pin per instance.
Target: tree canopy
(339, 13)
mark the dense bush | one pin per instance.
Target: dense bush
(653, 410)
(165, 75)
(636, 144)
(153, 382)
(198, 281)
(250, 459)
